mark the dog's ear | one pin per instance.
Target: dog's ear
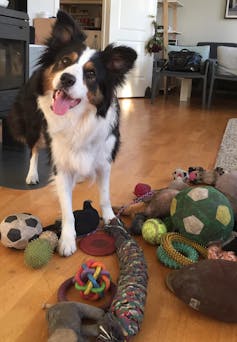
(118, 60)
(65, 30)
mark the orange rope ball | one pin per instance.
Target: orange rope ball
(92, 280)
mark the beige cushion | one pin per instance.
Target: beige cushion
(227, 60)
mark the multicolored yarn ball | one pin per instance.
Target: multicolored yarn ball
(152, 230)
(92, 280)
(141, 189)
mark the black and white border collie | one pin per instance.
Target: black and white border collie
(70, 101)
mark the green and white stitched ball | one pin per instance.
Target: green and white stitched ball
(152, 229)
(202, 214)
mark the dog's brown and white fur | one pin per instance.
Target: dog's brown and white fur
(70, 101)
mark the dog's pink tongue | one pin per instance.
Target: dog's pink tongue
(61, 103)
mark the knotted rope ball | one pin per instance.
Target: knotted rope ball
(92, 280)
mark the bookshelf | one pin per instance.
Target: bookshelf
(168, 16)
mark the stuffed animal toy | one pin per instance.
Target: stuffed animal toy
(208, 286)
(18, 229)
(65, 321)
(178, 184)
(195, 174)
(215, 252)
(159, 204)
(227, 184)
(180, 173)
(86, 221)
(210, 177)
(155, 206)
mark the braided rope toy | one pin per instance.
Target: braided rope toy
(123, 315)
(92, 280)
(139, 199)
(127, 308)
(176, 251)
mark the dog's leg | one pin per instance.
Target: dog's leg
(104, 188)
(32, 176)
(67, 242)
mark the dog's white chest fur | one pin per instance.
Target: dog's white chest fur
(81, 141)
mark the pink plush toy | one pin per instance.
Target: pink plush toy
(215, 252)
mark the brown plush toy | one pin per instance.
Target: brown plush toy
(65, 321)
(224, 181)
(156, 206)
(227, 184)
(208, 286)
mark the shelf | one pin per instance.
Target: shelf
(171, 3)
(174, 32)
(81, 2)
(169, 32)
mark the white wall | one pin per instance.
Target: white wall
(35, 7)
(203, 20)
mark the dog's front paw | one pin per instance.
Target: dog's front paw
(32, 178)
(67, 245)
(108, 215)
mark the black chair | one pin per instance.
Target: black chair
(215, 75)
(159, 72)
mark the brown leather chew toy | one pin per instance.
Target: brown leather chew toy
(208, 286)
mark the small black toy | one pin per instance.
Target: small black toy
(86, 221)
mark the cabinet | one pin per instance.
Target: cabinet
(89, 14)
(167, 15)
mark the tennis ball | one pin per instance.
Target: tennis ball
(152, 230)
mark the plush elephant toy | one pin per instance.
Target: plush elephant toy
(65, 321)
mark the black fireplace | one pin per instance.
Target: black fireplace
(14, 63)
(14, 71)
(14, 56)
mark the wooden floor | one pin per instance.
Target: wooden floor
(156, 139)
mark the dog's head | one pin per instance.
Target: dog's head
(74, 73)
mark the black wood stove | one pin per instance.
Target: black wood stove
(14, 71)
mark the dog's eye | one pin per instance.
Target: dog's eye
(90, 74)
(66, 61)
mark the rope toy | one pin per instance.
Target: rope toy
(124, 315)
(139, 199)
(128, 305)
(92, 280)
(176, 251)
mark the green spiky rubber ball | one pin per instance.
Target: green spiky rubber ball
(38, 253)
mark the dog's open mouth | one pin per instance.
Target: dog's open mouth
(62, 102)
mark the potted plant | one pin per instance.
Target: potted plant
(155, 43)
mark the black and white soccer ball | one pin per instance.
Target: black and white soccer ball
(18, 229)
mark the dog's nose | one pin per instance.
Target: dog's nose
(67, 80)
